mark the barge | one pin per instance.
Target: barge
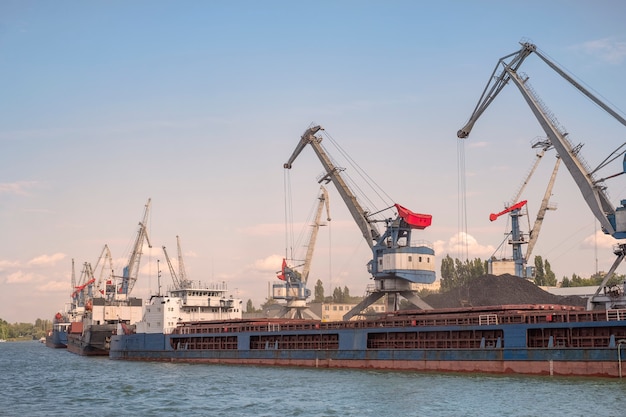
(508, 339)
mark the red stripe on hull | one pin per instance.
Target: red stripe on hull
(555, 368)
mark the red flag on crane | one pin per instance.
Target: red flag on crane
(415, 220)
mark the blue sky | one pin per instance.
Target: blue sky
(197, 105)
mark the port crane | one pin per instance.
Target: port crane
(612, 219)
(518, 239)
(397, 265)
(294, 289)
(131, 270)
(107, 265)
(179, 279)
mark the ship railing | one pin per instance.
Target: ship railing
(487, 319)
(616, 314)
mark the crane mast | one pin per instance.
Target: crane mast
(612, 220)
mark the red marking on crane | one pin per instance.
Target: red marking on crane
(415, 220)
(515, 206)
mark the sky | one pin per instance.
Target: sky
(196, 105)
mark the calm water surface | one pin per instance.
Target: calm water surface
(39, 381)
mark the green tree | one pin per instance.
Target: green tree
(550, 277)
(455, 273)
(540, 275)
(319, 291)
(249, 307)
(346, 295)
(268, 302)
(448, 273)
(337, 295)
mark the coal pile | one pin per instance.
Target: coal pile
(490, 290)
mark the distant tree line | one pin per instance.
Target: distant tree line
(594, 280)
(24, 331)
(456, 273)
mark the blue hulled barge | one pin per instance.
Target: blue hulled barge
(520, 339)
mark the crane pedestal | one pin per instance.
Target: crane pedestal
(297, 309)
(392, 288)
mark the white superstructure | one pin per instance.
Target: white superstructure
(194, 302)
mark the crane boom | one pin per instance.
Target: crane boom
(107, 265)
(175, 279)
(131, 270)
(545, 206)
(182, 273)
(591, 190)
(516, 206)
(323, 202)
(360, 216)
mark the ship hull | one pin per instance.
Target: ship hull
(57, 339)
(386, 360)
(94, 340)
(522, 343)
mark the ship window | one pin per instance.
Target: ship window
(420, 259)
(428, 260)
(410, 258)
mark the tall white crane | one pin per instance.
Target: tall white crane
(517, 238)
(105, 268)
(131, 270)
(397, 264)
(612, 219)
(294, 288)
(178, 278)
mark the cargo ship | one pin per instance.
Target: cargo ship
(508, 339)
(91, 336)
(99, 306)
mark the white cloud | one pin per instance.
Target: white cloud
(462, 243)
(4, 264)
(17, 188)
(271, 263)
(599, 240)
(45, 260)
(54, 286)
(19, 277)
(609, 49)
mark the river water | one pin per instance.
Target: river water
(39, 381)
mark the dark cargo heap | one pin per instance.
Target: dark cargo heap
(489, 290)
